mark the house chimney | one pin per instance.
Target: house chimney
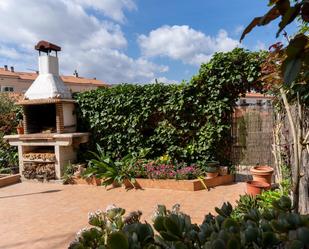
(48, 84)
(12, 69)
(6, 67)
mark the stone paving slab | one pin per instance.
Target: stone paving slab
(43, 215)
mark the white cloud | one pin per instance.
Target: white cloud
(9, 53)
(111, 8)
(116, 65)
(185, 44)
(239, 29)
(95, 47)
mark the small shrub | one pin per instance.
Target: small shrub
(261, 202)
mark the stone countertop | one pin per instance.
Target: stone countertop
(48, 139)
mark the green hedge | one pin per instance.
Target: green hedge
(189, 122)
(10, 114)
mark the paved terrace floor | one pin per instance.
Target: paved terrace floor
(41, 215)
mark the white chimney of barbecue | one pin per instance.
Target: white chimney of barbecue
(48, 84)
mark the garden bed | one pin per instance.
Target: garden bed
(184, 185)
(7, 179)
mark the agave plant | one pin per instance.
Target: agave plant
(102, 166)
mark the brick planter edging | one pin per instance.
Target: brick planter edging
(184, 185)
(7, 179)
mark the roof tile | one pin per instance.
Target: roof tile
(67, 79)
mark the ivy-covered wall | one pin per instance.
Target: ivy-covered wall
(189, 122)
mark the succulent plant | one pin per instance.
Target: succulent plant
(277, 227)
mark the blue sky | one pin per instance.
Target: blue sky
(130, 40)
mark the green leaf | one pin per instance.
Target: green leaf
(172, 227)
(117, 240)
(296, 46)
(305, 12)
(291, 69)
(255, 22)
(168, 236)
(296, 244)
(233, 243)
(288, 17)
(271, 15)
(179, 245)
(159, 224)
(283, 6)
(218, 244)
(303, 235)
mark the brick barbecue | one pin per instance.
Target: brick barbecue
(50, 140)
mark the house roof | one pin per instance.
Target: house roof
(257, 96)
(66, 79)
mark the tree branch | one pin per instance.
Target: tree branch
(295, 171)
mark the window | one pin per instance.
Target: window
(243, 102)
(7, 89)
(268, 102)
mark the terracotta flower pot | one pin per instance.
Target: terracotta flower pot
(212, 174)
(262, 173)
(94, 181)
(223, 170)
(20, 130)
(130, 184)
(255, 187)
(116, 184)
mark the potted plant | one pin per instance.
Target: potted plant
(212, 169)
(223, 170)
(20, 128)
(255, 187)
(73, 174)
(212, 163)
(262, 173)
(212, 172)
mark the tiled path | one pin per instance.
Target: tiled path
(36, 215)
